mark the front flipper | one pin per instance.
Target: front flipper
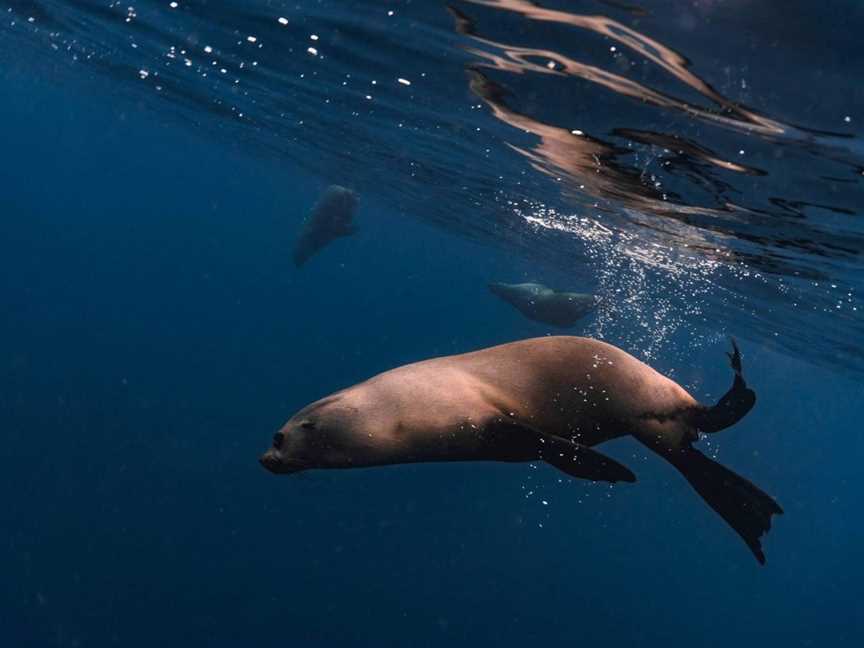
(581, 461)
(516, 441)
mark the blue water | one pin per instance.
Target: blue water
(155, 332)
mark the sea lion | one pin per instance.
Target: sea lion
(331, 218)
(549, 399)
(541, 304)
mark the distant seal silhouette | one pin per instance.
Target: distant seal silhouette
(541, 304)
(548, 399)
(331, 218)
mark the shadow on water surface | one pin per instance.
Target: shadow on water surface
(697, 183)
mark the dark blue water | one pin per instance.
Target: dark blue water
(155, 332)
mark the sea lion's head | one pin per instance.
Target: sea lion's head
(326, 434)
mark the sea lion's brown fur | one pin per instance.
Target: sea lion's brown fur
(549, 398)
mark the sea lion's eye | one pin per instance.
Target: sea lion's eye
(309, 425)
(278, 438)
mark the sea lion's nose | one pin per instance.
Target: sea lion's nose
(270, 460)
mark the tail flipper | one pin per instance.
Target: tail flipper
(733, 406)
(744, 506)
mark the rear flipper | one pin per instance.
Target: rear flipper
(733, 406)
(582, 462)
(744, 506)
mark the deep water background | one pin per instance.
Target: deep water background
(153, 336)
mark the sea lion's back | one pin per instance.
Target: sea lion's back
(570, 373)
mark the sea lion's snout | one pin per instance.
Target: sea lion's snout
(273, 461)
(270, 460)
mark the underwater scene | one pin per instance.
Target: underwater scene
(431, 323)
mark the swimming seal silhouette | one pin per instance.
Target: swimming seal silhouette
(331, 218)
(541, 304)
(549, 399)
